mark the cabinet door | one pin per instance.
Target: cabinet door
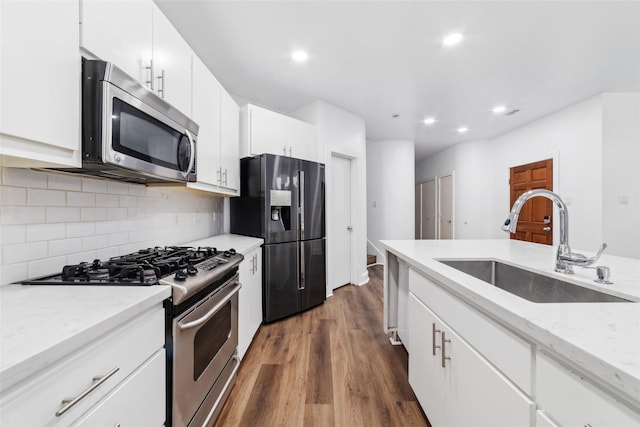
(542, 420)
(119, 32)
(171, 63)
(138, 401)
(249, 300)
(206, 113)
(40, 80)
(475, 390)
(267, 132)
(230, 142)
(302, 138)
(426, 375)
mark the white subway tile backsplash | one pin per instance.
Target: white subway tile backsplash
(91, 185)
(80, 229)
(38, 197)
(117, 188)
(94, 242)
(44, 232)
(46, 267)
(60, 181)
(106, 200)
(93, 214)
(10, 234)
(22, 252)
(50, 219)
(13, 196)
(22, 215)
(116, 239)
(57, 214)
(12, 273)
(64, 246)
(24, 178)
(80, 199)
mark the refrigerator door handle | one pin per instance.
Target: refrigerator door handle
(301, 282)
(301, 202)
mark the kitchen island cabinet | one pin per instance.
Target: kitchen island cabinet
(39, 56)
(515, 338)
(91, 345)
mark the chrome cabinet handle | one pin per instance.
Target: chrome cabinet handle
(434, 331)
(255, 263)
(444, 340)
(161, 88)
(150, 68)
(211, 312)
(290, 152)
(219, 175)
(97, 382)
(225, 176)
(284, 150)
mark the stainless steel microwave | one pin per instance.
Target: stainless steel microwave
(131, 134)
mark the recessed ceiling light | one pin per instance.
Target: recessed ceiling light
(299, 55)
(499, 109)
(452, 39)
(462, 129)
(429, 121)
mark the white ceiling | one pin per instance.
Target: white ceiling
(379, 58)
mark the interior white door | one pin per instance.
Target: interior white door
(445, 184)
(341, 227)
(428, 209)
(418, 213)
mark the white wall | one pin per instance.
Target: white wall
(390, 191)
(595, 149)
(342, 132)
(49, 220)
(620, 173)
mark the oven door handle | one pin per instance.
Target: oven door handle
(211, 312)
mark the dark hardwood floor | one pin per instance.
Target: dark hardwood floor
(329, 366)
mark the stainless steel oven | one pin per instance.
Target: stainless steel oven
(205, 361)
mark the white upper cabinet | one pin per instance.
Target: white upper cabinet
(217, 114)
(139, 39)
(265, 131)
(40, 80)
(171, 63)
(120, 32)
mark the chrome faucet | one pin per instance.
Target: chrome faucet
(565, 259)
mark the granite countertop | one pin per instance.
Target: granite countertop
(41, 324)
(602, 339)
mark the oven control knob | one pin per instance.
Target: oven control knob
(180, 275)
(191, 270)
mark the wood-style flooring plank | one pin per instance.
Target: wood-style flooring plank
(330, 366)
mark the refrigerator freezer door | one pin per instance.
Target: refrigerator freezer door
(313, 205)
(280, 286)
(312, 272)
(280, 186)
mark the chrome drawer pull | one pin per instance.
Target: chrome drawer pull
(444, 340)
(98, 381)
(434, 331)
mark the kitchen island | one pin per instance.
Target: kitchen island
(529, 345)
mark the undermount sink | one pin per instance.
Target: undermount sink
(528, 285)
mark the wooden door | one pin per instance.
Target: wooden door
(535, 223)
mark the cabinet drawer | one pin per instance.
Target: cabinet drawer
(36, 402)
(508, 352)
(571, 401)
(138, 401)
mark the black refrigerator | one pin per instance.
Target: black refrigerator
(282, 201)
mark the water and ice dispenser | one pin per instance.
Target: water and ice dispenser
(280, 210)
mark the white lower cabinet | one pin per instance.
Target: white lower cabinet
(249, 299)
(89, 377)
(542, 420)
(456, 385)
(570, 400)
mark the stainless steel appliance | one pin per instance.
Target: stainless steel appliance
(201, 320)
(282, 201)
(131, 134)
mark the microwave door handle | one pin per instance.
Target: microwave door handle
(193, 152)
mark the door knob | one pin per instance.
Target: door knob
(349, 227)
(546, 228)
